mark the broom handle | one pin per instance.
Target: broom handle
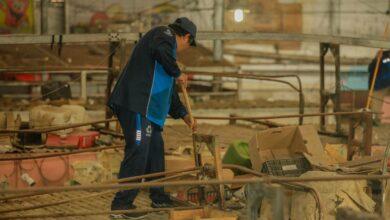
(187, 102)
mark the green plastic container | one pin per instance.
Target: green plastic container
(238, 154)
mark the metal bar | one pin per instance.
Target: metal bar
(44, 13)
(53, 69)
(244, 76)
(212, 35)
(56, 128)
(323, 51)
(276, 117)
(123, 180)
(61, 153)
(182, 172)
(110, 79)
(83, 85)
(351, 137)
(367, 133)
(335, 48)
(144, 185)
(295, 57)
(64, 214)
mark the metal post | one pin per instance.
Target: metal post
(122, 58)
(323, 51)
(335, 48)
(277, 203)
(110, 77)
(83, 85)
(367, 136)
(351, 137)
(218, 44)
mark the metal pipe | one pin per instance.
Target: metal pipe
(62, 153)
(144, 185)
(64, 214)
(184, 173)
(244, 76)
(123, 180)
(280, 116)
(323, 51)
(211, 35)
(55, 128)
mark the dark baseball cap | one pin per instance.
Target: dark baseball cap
(187, 25)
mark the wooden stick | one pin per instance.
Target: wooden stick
(187, 103)
(378, 61)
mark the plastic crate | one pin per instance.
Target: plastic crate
(286, 167)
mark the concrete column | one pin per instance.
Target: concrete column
(334, 17)
(44, 13)
(218, 44)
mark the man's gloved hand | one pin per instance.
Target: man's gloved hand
(192, 125)
(182, 80)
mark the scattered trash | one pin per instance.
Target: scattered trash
(286, 143)
(238, 153)
(89, 172)
(333, 195)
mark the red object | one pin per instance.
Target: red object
(54, 140)
(84, 139)
(28, 77)
(87, 138)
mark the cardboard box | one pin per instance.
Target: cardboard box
(286, 142)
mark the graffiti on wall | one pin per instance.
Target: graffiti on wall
(16, 16)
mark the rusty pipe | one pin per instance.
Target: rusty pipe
(128, 186)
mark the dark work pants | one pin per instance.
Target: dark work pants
(144, 154)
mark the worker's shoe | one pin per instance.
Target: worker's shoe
(163, 202)
(134, 216)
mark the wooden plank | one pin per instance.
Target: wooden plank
(186, 214)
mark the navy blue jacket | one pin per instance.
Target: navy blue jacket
(383, 77)
(146, 84)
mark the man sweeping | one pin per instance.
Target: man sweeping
(142, 98)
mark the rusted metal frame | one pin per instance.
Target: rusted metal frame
(144, 185)
(110, 78)
(323, 97)
(335, 49)
(64, 214)
(198, 139)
